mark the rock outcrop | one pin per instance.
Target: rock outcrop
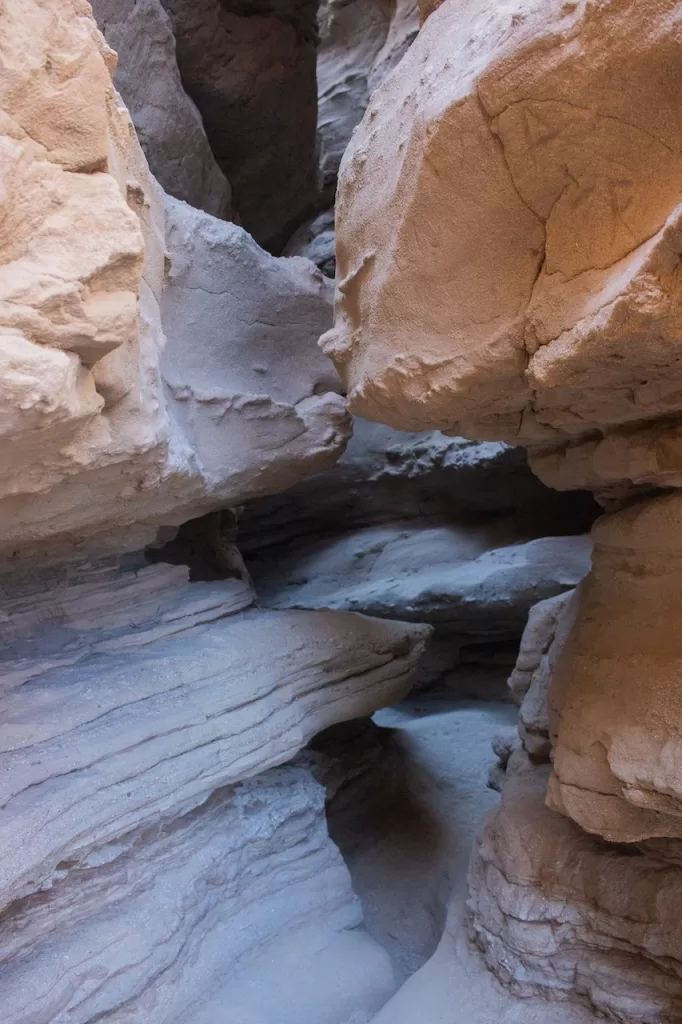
(161, 858)
(250, 69)
(167, 122)
(100, 439)
(426, 528)
(508, 246)
(575, 221)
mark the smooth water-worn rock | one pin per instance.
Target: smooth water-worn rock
(129, 701)
(250, 69)
(167, 122)
(474, 590)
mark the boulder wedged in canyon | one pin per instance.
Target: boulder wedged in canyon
(96, 448)
(130, 700)
(543, 309)
(167, 122)
(250, 69)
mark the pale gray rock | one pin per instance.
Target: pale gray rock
(475, 588)
(132, 704)
(360, 42)
(167, 122)
(316, 241)
(175, 920)
(251, 392)
(386, 475)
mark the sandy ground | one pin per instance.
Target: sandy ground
(409, 860)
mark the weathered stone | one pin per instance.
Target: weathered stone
(544, 307)
(167, 122)
(556, 910)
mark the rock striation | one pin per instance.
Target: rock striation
(162, 858)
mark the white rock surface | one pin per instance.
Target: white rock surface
(167, 122)
(128, 699)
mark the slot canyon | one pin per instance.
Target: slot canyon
(340, 511)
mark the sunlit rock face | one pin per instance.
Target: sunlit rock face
(96, 432)
(508, 245)
(508, 228)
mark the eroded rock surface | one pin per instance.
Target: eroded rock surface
(167, 122)
(544, 312)
(99, 442)
(129, 701)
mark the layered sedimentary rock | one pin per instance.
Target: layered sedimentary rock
(250, 69)
(98, 429)
(167, 122)
(133, 703)
(160, 858)
(422, 527)
(555, 909)
(547, 630)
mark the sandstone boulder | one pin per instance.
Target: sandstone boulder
(508, 227)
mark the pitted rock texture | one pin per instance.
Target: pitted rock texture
(96, 448)
(167, 122)
(250, 69)
(617, 760)
(128, 699)
(557, 910)
(509, 227)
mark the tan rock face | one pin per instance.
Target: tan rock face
(556, 910)
(95, 438)
(617, 757)
(508, 225)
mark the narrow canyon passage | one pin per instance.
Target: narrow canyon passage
(340, 511)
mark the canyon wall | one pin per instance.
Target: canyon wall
(508, 253)
(159, 849)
